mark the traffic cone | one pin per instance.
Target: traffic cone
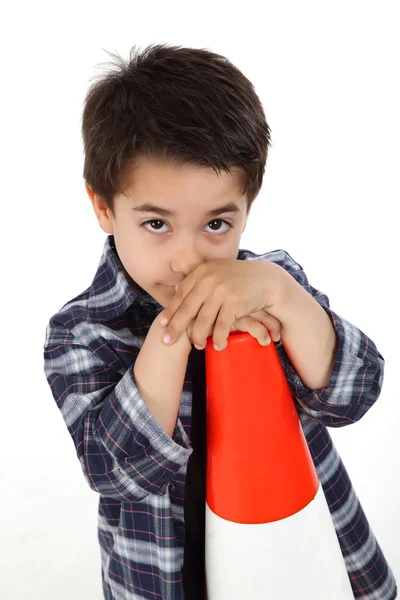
(269, 532)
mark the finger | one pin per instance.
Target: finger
(273, 325)
(205, 322)
(189, 331)
(256, 329)
(188, 309)
(181, 291)
(224, 321)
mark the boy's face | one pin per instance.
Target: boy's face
(159, 250)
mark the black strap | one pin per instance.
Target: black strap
(195, 488)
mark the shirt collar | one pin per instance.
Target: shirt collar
(113, 291)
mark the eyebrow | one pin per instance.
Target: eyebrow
(233, 208)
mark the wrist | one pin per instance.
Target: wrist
(286, 291)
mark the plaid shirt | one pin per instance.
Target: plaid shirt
(139, 471)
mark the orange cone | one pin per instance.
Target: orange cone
(269, 533)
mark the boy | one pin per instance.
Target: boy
(175, 142)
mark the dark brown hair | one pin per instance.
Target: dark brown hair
(183, 105)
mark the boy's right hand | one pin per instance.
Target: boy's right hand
(261, 325)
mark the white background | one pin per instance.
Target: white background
(327, 74)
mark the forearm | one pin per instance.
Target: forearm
(307, 334)
(159, 372)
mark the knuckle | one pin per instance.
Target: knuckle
(203, 268)
(184, 307)
(261, 333)
(221, 324)
(202, 319)
(222, 289)
(273, 325)
(249, 321)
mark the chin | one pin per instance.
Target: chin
(164, 295)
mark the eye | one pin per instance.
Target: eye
(155, 226)
(151, 222)
(229, 226)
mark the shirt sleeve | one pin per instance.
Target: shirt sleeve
(357, 376)
(123, 451)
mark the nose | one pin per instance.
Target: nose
(185, 257)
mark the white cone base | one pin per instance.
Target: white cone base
(297, 558)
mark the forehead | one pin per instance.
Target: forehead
(150, 180)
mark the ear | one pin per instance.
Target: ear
(103, 213)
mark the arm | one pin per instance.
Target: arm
(159, 373)
(124, 451)
(307, 334)
(335, 379)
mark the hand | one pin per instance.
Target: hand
(218, 293)
(261, 325)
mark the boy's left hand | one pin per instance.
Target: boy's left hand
(218, 293)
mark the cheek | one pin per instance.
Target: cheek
(146, 272)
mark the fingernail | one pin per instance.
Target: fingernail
(163, 321)
(217, 347)
(199, 347)
(167, 339)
